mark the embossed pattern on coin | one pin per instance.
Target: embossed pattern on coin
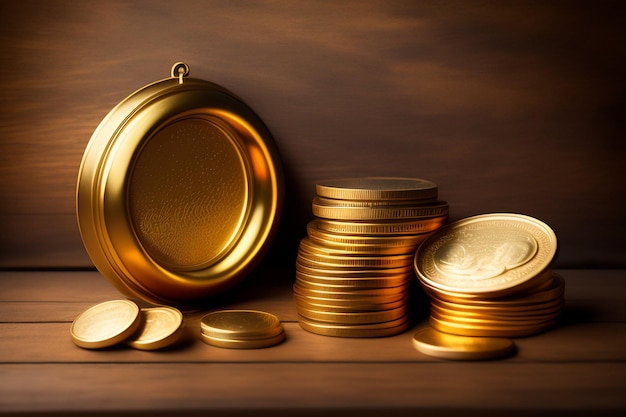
(161, 327)
(105, 324)
(491, 276)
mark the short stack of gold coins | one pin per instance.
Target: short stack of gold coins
(355, 266)
(241, 329)
(490, 275)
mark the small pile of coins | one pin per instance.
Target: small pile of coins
(490, 276)
(354, 267)
(241, 329)
(122, 321)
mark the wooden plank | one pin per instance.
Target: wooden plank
(448, 388)
(51, 343)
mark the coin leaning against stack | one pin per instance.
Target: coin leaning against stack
(490, 276)
(354, 267)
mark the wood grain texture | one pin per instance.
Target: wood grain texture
(508, 106)
(575, 369)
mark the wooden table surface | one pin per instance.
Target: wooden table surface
(579, 368)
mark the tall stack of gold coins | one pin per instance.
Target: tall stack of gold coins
(354, 268)
(490, 275)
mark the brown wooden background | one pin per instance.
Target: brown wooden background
(508, 106)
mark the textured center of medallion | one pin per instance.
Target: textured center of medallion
(188, 194)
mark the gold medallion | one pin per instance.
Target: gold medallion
(179, 191)
(105, 324)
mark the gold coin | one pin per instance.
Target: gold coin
(105, 324)
(489, 331)
(377, 188)
(367, 282)
(382, 227)
(425, 210)
(354, 273)
(314, 245)
(338, 268)
(367, 287)
(544, 296)
(160, 327)
(240, 325)
(521, 310)
(365, 249)
(315, 233)
(495, 321)
(367, 203)
(486, 254)
(350, 308)
(347, 291)
(389, 328)
(347, 298)
(362, 304)
(448, 346)
(362, 317)
(244, 343)
(354, 261)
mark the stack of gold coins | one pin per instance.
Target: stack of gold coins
(241, 329)
(490, 275)
(354, 267)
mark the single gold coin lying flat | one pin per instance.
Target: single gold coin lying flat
(447, 346)
(426, 209)
(310, 257)
(493, 254)
(377, 188)
(354, 273)
(516, 311)
(334, 283)
(493, 321)
(490, 331)
(240, 325)
(313, 245)
(160, 327)
(359, 304)
(315, 233)
(365, 317)
(105, 324)
(366, 203)
(385, 329)
(255, 343)
(382, 227)
(349, 308)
